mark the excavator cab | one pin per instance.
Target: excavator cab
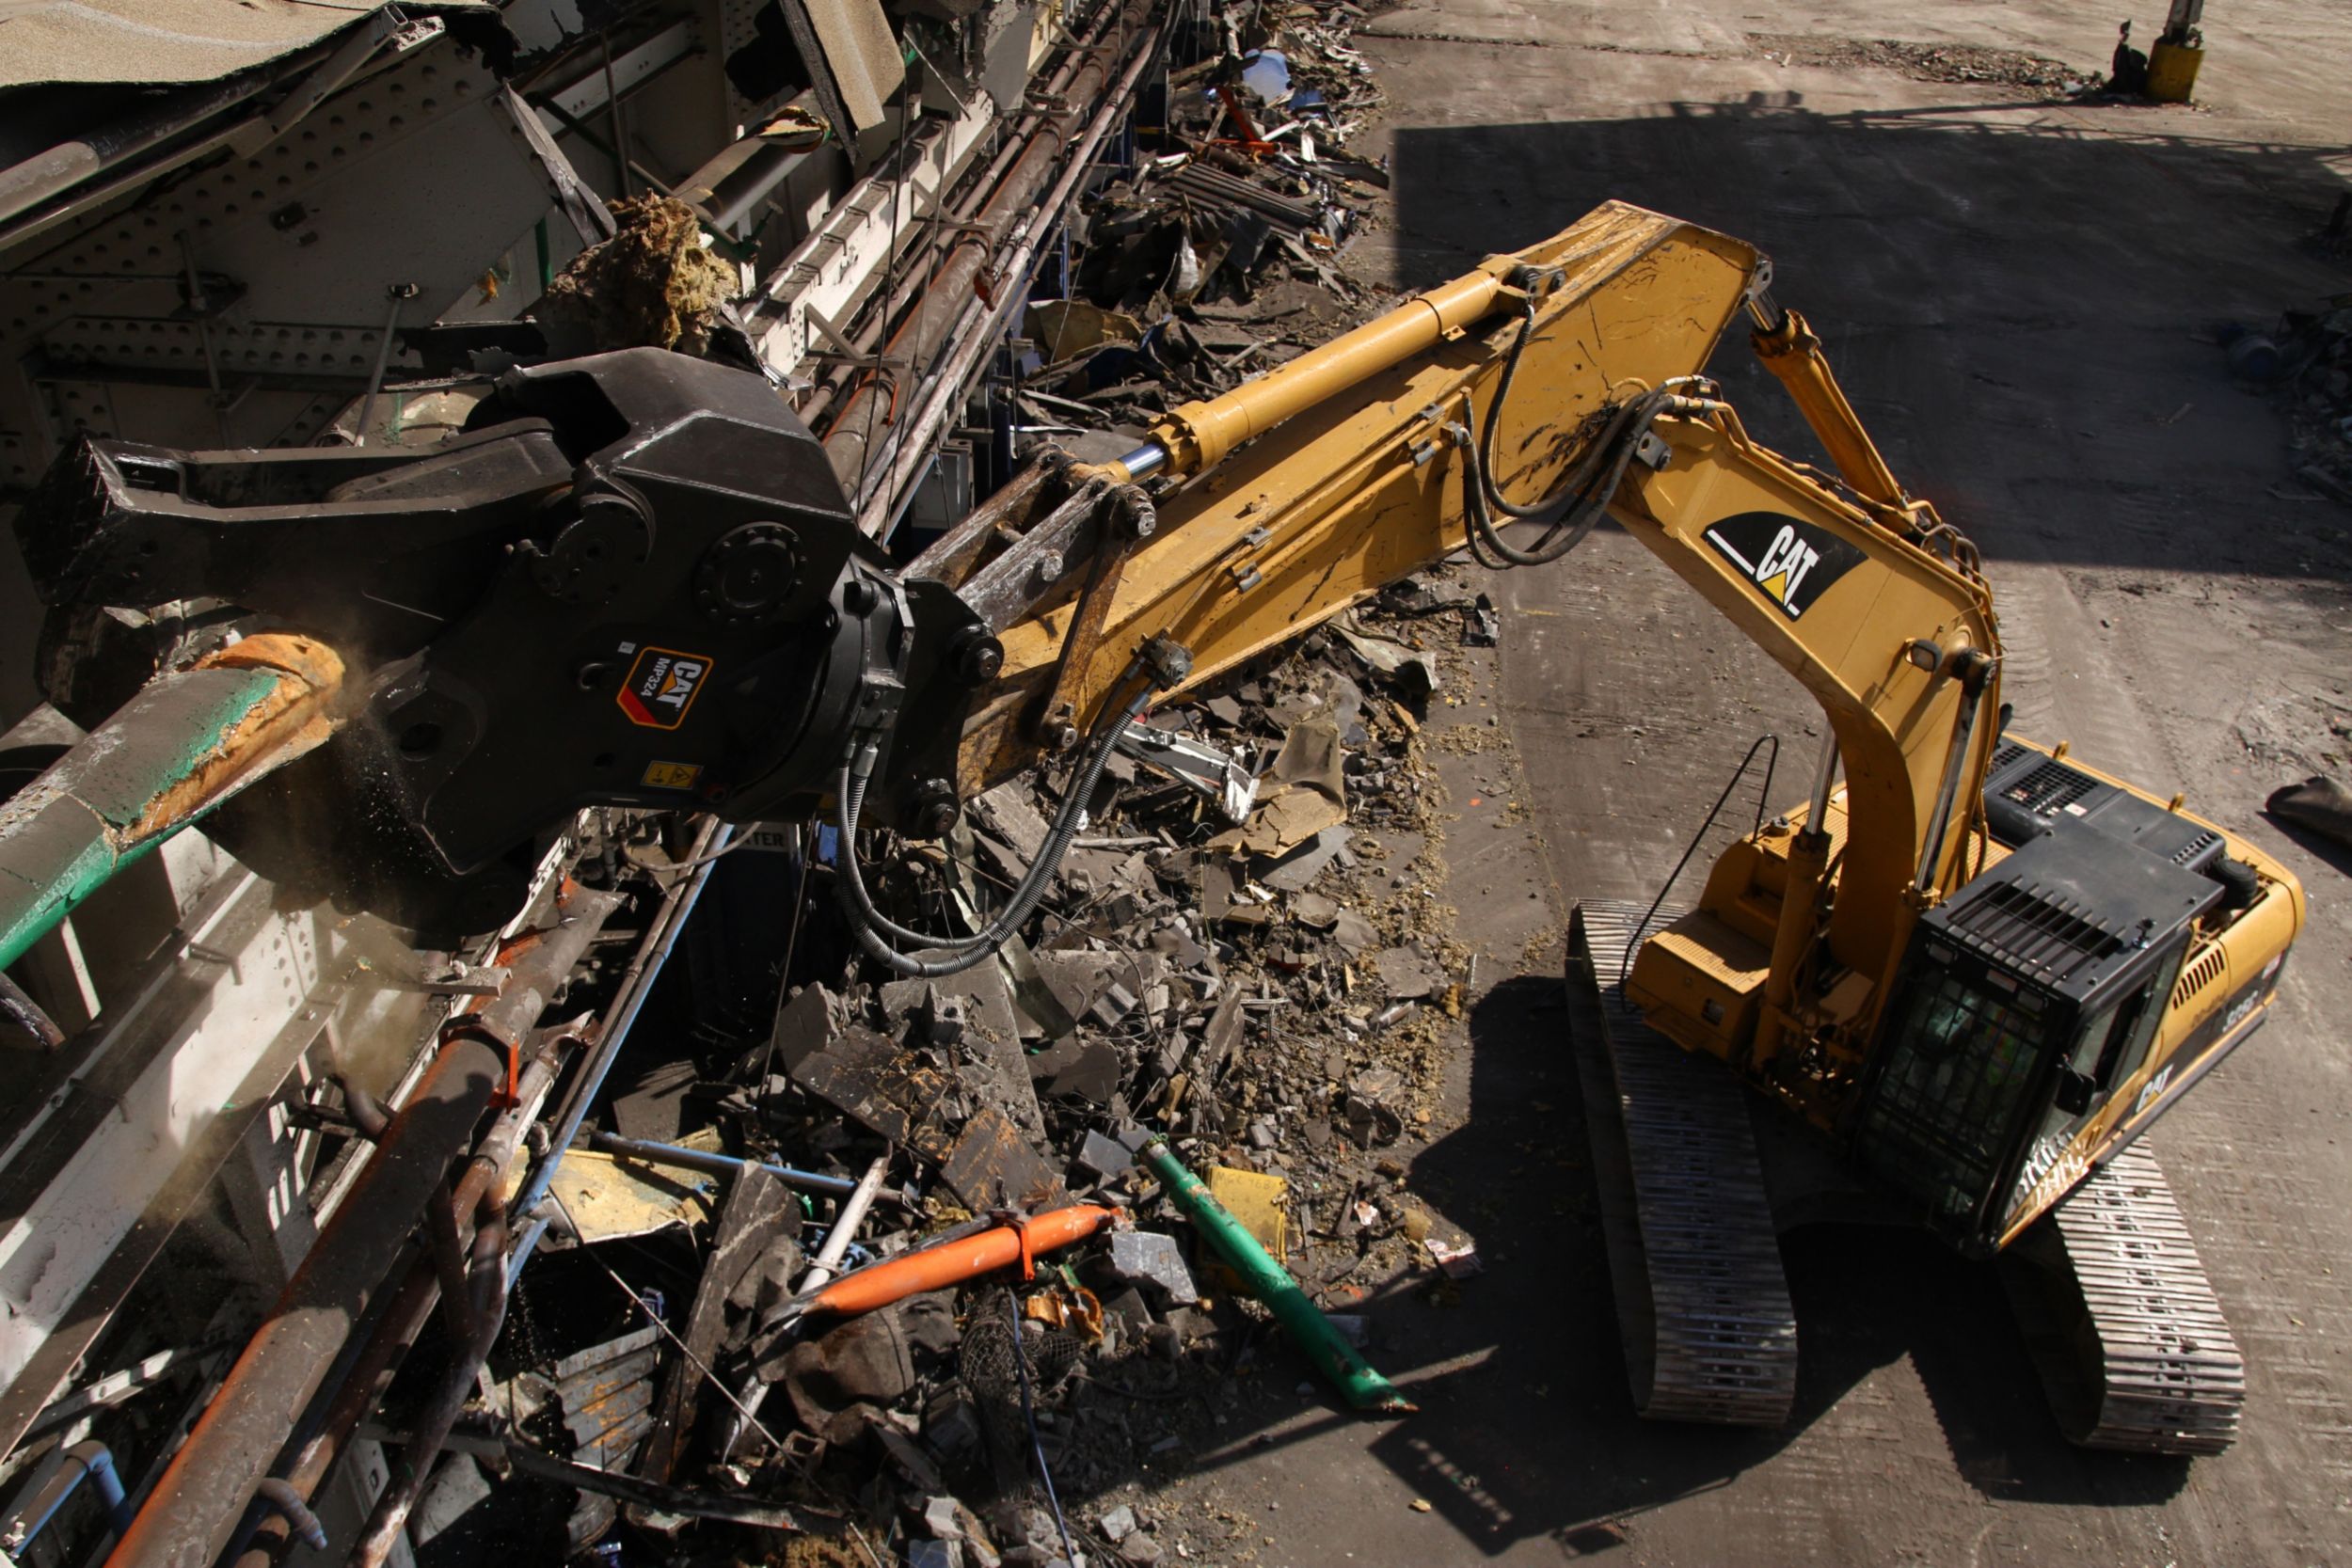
(2031, 998)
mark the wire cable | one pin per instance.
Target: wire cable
(1028, 1415)
(874, 931)
(1772, 763)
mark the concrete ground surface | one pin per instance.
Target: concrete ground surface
(2013, 286)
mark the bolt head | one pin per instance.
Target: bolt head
(978, 657)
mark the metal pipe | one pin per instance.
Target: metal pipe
(635, 985)
(927, 327)
(845, 1227)
(718, 1164)
(487, 1275)
(198, 1505)
(306, 1465)
(1272, 1284)
(91, 1462)
(911, 444)
(754, 1392)
(362, 1385)
(27, 1016)
(926, 239)
(296, 1510)
(187, 741)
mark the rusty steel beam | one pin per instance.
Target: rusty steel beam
(923, 335)
(197, 1507)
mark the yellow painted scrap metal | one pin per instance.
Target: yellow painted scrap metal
(1261, 1204)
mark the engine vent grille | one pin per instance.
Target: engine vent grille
(2196, 848)
(2050, 788)
(2009, 752)
(2032, 930)
(2197, 977)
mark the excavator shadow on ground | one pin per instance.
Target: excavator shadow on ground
(1527, 1428)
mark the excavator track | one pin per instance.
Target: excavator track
(1703, 1304)
(2128, 1335)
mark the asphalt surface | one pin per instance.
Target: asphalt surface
(2013, 287)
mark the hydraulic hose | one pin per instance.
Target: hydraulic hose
(875, 931)
(1576, 508)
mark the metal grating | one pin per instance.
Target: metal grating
(2196, 848)
(2050, 788)
(2032, 930)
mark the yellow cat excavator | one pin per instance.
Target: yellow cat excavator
(1972, 968)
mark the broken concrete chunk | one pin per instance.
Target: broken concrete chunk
(942, 1517)
(1408, 975)
(890, 1092)
(1293, 871)
(803, 1025)
(1314, 910)
(1100, 1158)
(1086, 1068)
(993, 1166)
(1150, 1257)
(1119, 1524)
(1009, 812)
(1354, 933)
(1417, 673)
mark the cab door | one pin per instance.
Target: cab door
(2106, 1051)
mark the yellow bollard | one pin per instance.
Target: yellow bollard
(2172, 70)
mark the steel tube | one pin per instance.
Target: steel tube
(910, 447)
(198, 1505)
(635, 985)
(186, 742)
(370, 1376)
(195, 1508)
(91, 1462)
(928, 326)
(716, 1163)
(914, 283)
(371, 1371)
(1272, 1284)
(487, 1277)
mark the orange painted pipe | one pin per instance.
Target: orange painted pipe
(953, 1262)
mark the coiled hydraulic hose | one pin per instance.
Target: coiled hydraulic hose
(1576, 508)
(875, 931)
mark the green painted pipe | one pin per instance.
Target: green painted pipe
(1272, 1284)
(129, 784)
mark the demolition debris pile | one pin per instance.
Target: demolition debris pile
(2304, 363)
(1216, 261)
(955, 1246)
(935, 1270)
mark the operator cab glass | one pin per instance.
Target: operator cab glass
(2029, 996)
